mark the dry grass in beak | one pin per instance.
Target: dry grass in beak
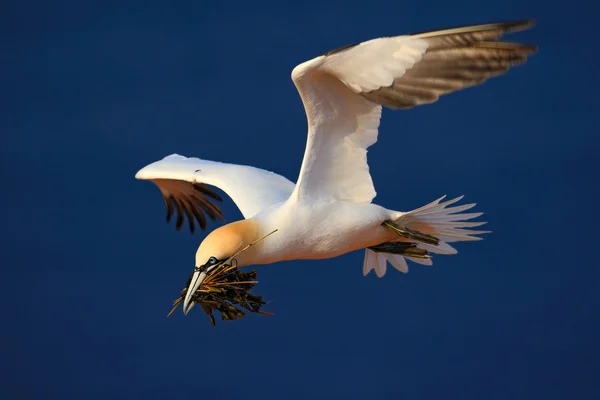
(226, 289)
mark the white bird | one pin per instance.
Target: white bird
(329, 211)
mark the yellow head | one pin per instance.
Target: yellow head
(225, 241)
(216, 248)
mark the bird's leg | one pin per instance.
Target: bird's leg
(407, 249)
(410, 234)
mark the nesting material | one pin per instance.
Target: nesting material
(226, 289)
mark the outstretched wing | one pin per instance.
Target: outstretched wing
(343, 92)
(183, 184)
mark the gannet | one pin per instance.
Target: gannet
(329, 210)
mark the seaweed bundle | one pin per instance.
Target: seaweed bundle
(226, 289)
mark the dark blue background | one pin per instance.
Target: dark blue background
(91, 93)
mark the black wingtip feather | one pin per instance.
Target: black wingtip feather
(169, 208)
(179, 222)
(191, 201)
(206, 191)
(502, 27)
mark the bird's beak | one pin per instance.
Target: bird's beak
(197, 278)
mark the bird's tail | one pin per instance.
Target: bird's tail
(425, 230)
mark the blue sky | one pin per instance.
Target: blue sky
(91, 93)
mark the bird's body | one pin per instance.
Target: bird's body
(319, 229)
(329, 211)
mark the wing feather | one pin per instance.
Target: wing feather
(183, 183)
(186, 199)
(343, 90)
(454, 59)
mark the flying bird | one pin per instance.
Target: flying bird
(329, 210)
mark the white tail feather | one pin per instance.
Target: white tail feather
(378, 262)
(444, 223)
(435, 219)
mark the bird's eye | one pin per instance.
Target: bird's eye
(212, 260)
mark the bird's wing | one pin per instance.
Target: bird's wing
(343, 91)
(183, 184)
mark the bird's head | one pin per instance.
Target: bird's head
(216, 248)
